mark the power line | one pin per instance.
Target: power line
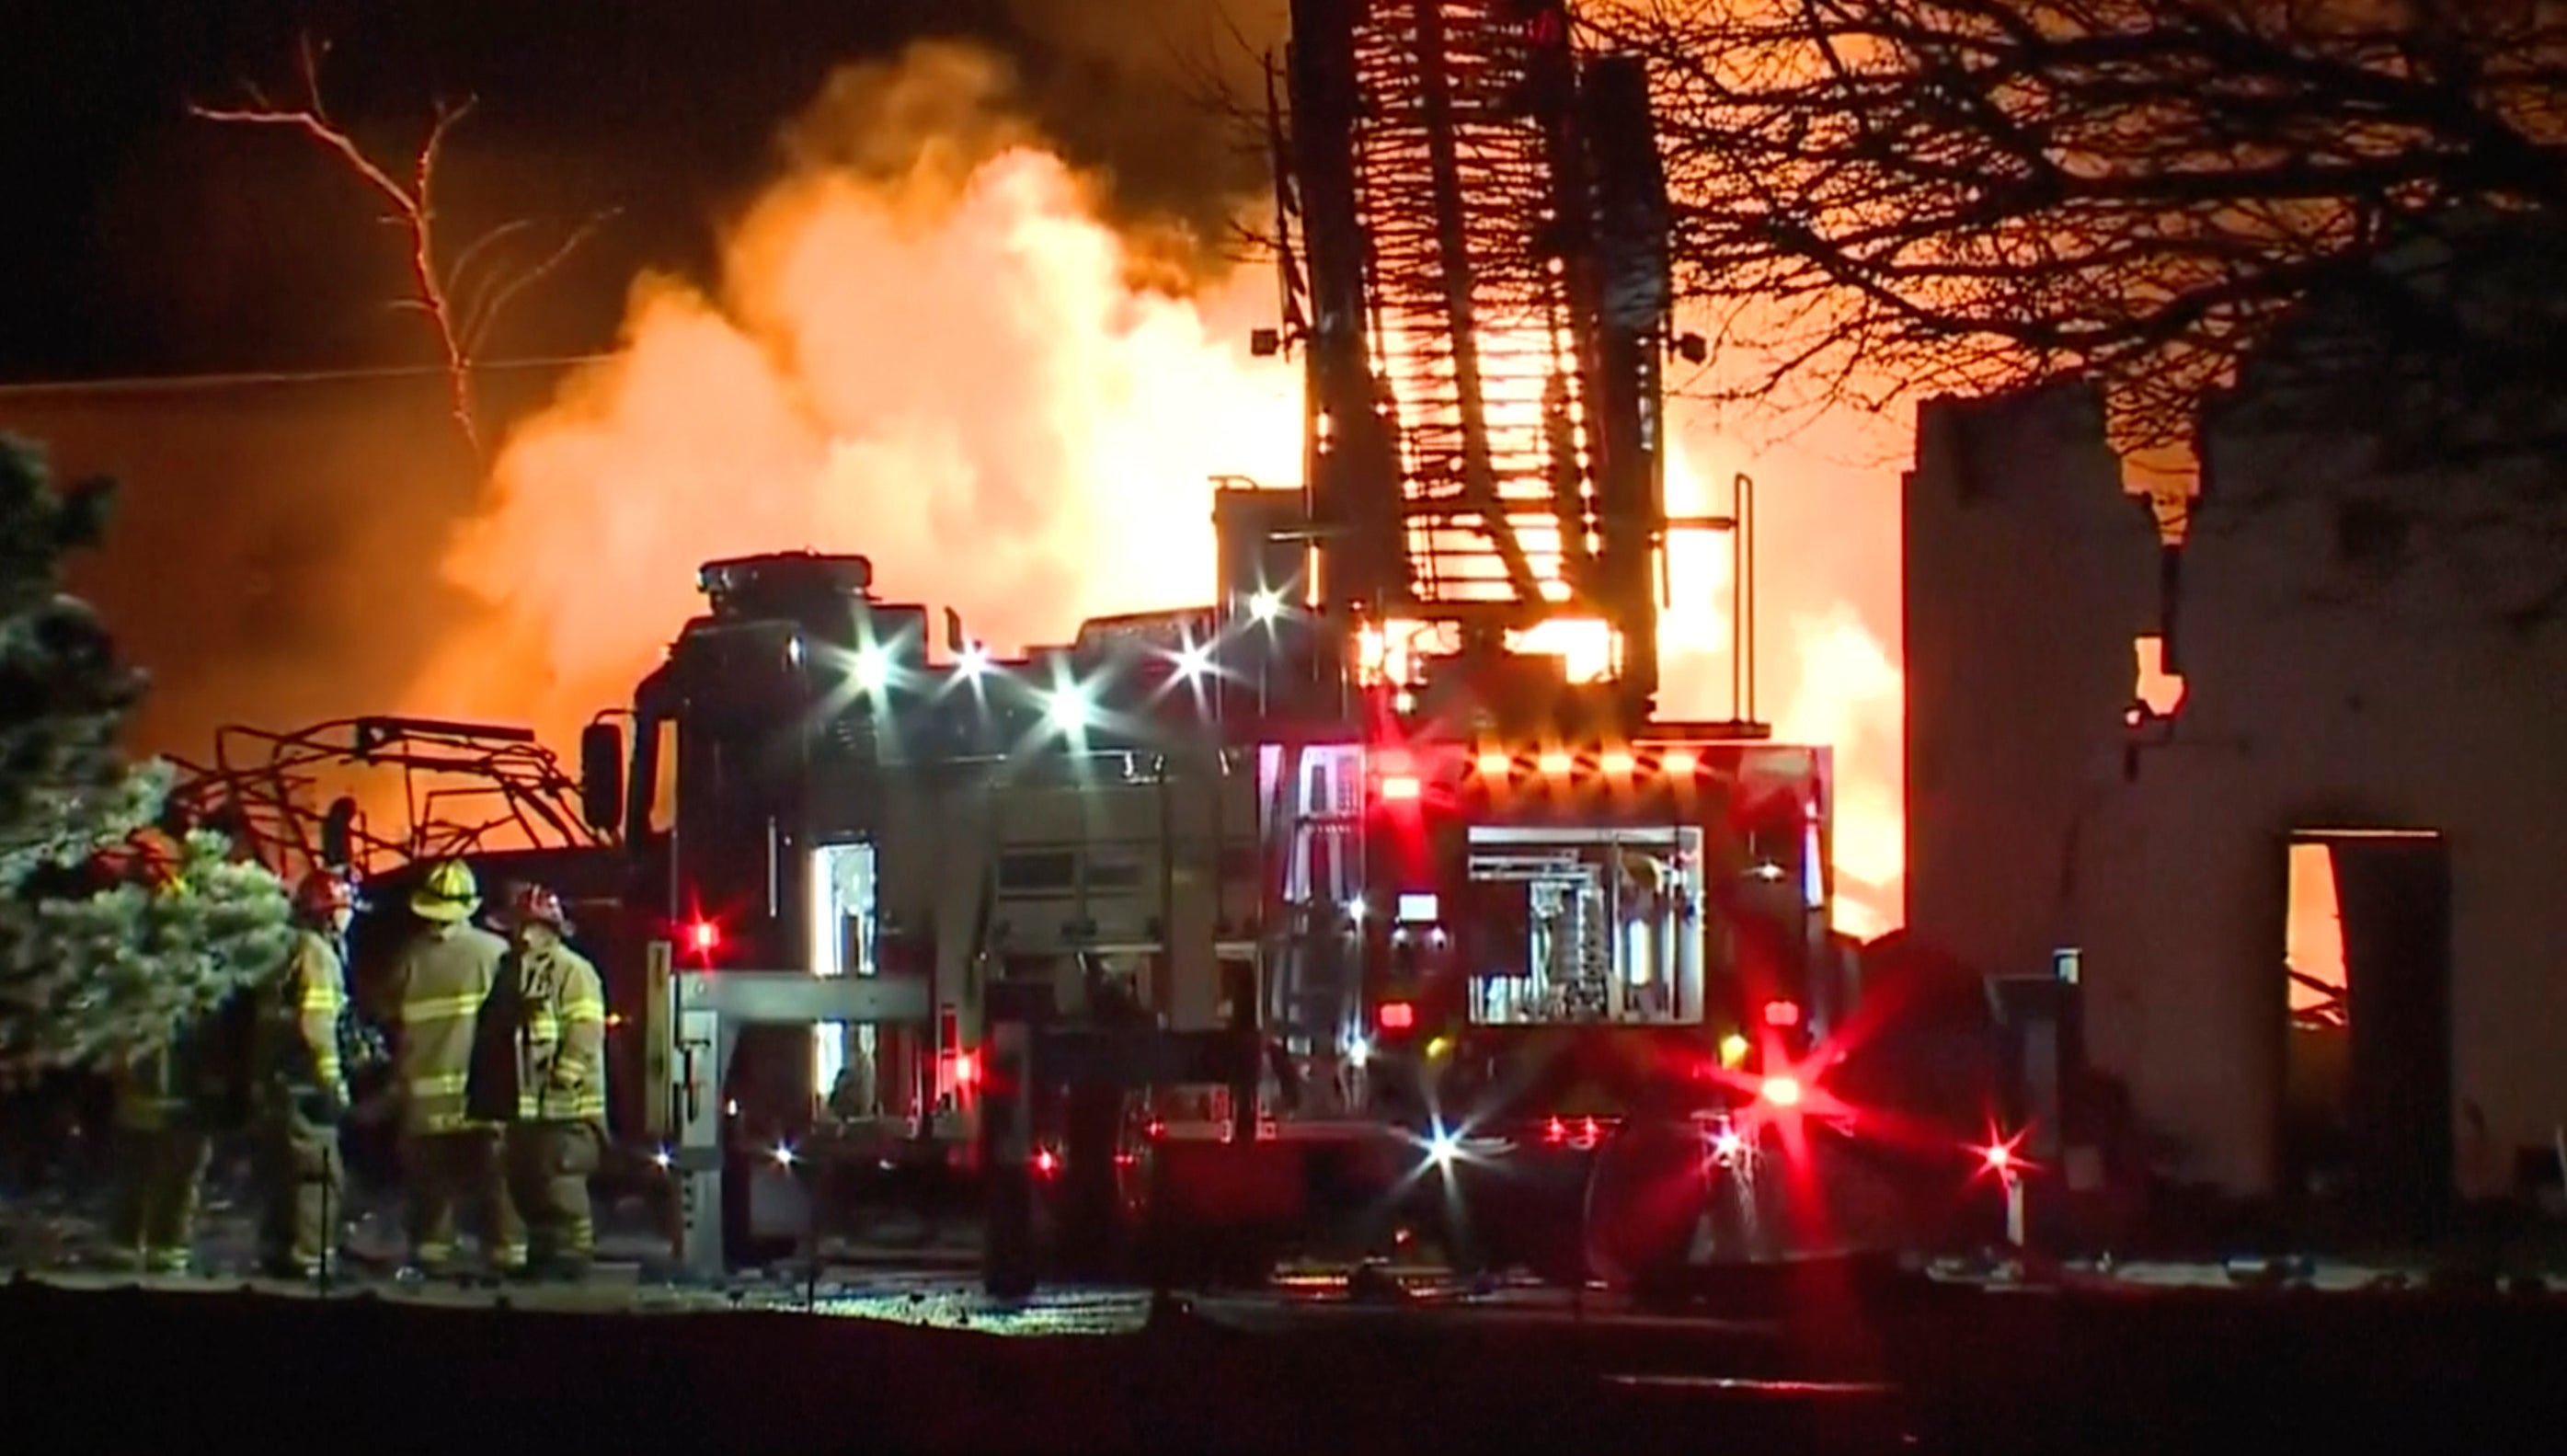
(180, 383)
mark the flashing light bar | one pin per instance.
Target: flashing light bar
(1619, 762)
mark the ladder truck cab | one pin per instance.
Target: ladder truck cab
(850, 849)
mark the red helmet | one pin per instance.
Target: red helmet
(323, 894)
(537, 905)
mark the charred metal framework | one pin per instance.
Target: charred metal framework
(1482, 220)
(466, 789)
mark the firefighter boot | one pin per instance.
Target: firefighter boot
(301, 1196)
(458, 1172)
(550, 1164)
(153, 1223)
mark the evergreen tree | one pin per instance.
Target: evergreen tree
(113, 933)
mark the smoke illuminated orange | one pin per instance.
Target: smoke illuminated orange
(947, 365)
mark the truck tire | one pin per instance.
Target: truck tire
(1644, 1199)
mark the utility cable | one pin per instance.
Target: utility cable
(179, 382)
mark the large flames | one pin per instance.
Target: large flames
(928, 347)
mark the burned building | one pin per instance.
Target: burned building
(2372, 677)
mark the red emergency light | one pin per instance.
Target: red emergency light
(967, 1069)
(1401, 789)
(1781, 1091)
(703, 937)
(1396, 1015)
(2001, 1156)
(1782, 1014)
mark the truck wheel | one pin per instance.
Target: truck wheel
(1644, 1199)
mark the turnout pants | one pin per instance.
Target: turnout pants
(301, 1190)
(160, 1177)
(550, 1164)
(445, 1170)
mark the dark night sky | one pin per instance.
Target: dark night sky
(144, 241)
(277, 553)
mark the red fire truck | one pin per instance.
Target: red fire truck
(1386, 943)
(1376, 876)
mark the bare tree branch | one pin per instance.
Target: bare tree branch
(482, 318)
(1882, 198)
(460, 306)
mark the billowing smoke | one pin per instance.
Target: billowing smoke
(925, 346)
(1168, 90)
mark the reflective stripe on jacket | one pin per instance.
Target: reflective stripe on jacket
(300, 1037)
(436, 988)
(561, 1037)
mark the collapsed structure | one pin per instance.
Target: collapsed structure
(2328, 675)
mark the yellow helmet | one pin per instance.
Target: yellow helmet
(449, 894)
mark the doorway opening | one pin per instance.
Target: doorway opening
(2367, 1121)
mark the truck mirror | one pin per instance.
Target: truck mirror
(339, 833)
(601, 776)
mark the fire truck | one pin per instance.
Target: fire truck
(1375, 882)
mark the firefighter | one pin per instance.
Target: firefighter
(557, 1137)
(436, 989)
(303, 1085)
(169, 1105)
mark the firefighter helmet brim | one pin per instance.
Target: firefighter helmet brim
(438, 908)
(451, 893)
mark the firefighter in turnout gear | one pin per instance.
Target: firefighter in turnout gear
(557, 1137)
(169, 1105)
(302, 1087)
(436, 990)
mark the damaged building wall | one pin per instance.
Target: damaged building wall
(2351, 660)
(2029, 575)
(2349, 666)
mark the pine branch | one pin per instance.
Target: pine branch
(110, 936)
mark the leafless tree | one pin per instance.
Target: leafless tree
(462, 293)
(1885, 198)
